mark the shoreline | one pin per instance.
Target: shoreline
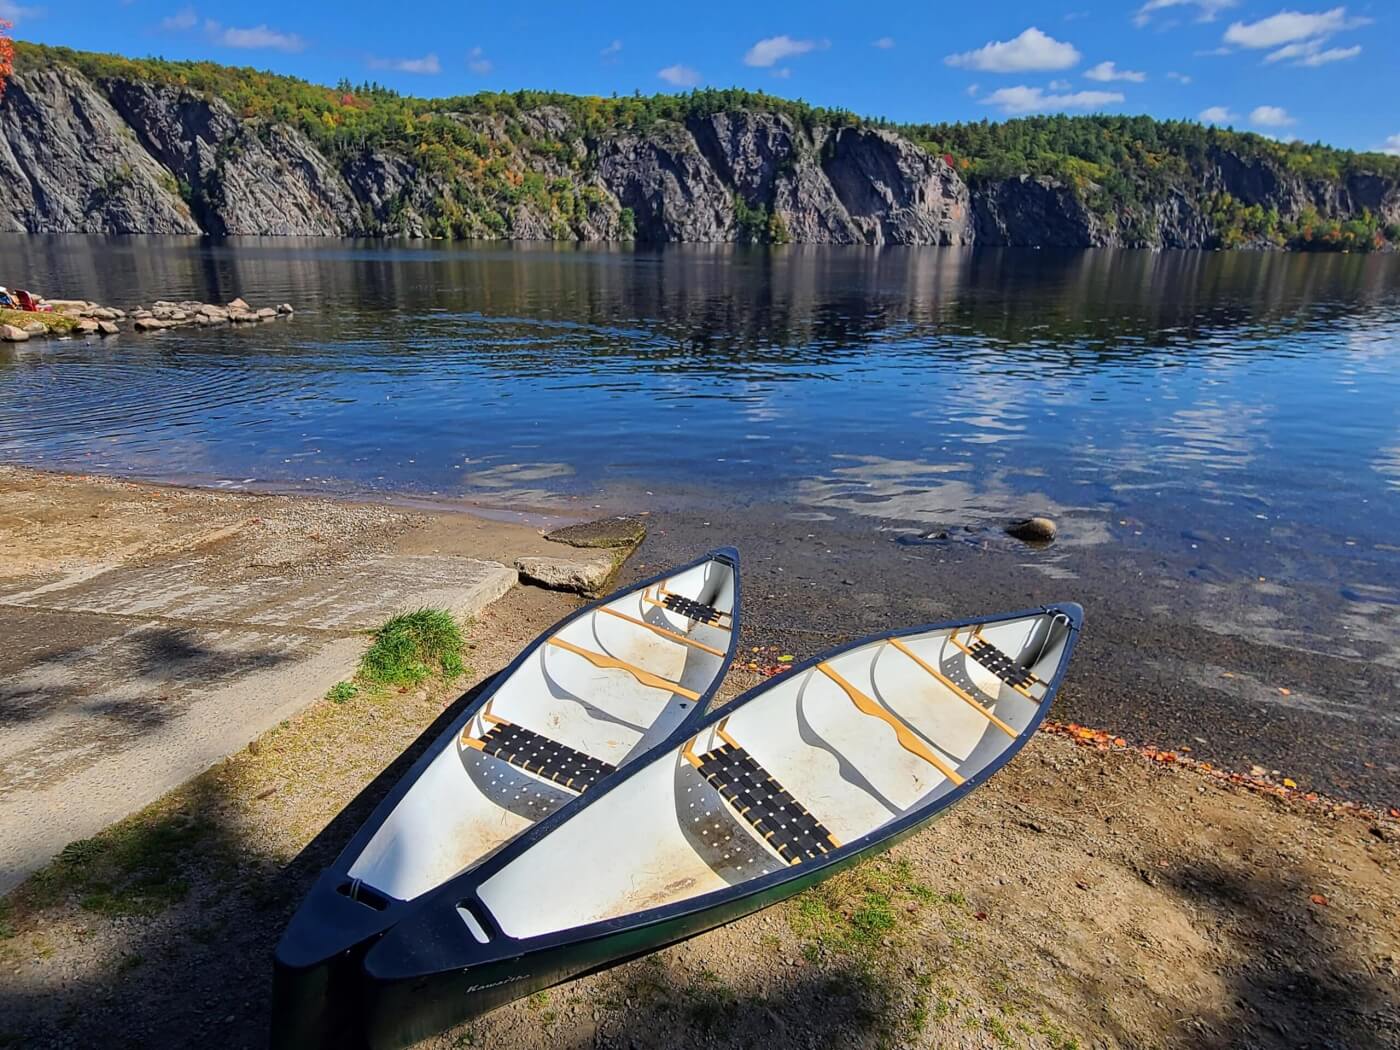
(771, 627)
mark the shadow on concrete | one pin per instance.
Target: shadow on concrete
(202, 908)
(155, 671)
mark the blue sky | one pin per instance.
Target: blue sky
(1312, 71)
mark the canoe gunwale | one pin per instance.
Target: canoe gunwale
(337, 872)
(505, 947)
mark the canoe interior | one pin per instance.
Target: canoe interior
(469, 801)
(925, 715)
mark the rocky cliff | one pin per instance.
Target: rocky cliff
(86, 152)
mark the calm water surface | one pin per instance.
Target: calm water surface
(1218, 435)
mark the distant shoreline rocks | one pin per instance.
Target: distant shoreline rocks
(79, 317)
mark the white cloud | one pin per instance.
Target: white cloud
(478, 63)
(180, 21)
(427, 65)
(680, 76)
(258, 37)
(1206, 10)
(781, 74)
(1107, 71)
(772, 50)
(1032, 51)
(1289, 26)
(1392, 146)
(972, 90)
(1022, 99)
(611, 49)
(884, 43)
(1180, 78)
(16, 13)
(1270, 117)
(1310, 53)
(1215, 115)
(1060, 85)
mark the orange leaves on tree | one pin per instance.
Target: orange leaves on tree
(7, 55)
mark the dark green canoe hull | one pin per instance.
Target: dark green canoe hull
(403, 1012)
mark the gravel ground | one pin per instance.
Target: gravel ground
(1083, 898)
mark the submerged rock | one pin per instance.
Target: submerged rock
(1033, 530)
(620, 531)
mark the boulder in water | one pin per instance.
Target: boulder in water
(1033, 530)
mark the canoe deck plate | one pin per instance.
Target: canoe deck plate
(1001, 665)
(544, 757)
(690, 608)
(765, 804)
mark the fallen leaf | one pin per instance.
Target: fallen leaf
(1285, 692)
(980, 916)
(1319, 900)
(1258, 771)
(1289, 782)
(786, 658)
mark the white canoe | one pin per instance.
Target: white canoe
(836, 759)
(601, 688)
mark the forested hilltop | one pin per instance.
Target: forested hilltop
(100, 143)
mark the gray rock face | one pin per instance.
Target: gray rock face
(671, 189)
(1030, 211)
(127, 156)
(70, 164)
(894, 192)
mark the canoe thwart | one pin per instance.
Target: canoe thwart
(675, 636)
(612, 662)
(999, 663)
(953, 687)
(690, 608)
(907, 739)
(767, 806)
(541, 756)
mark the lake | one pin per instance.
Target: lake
(1216, 434)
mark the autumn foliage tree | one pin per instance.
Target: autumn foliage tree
(7, 55)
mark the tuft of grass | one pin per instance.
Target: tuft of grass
(410, 646)
(855, 912)
(52, 321)
(134, 867)
(343, 691)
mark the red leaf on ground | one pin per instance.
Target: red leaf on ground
(1319, 900)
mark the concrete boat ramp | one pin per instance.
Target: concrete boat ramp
(149, 632)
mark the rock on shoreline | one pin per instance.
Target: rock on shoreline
(81, 317)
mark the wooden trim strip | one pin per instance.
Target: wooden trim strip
(612, 662)
(683, 639)
(953, 687)
(907, 740)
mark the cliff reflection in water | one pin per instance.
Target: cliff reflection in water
(1092, 380)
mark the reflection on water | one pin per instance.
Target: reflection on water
(1240, 393)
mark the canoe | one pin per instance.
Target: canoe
(794, 781)
(598, 690)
